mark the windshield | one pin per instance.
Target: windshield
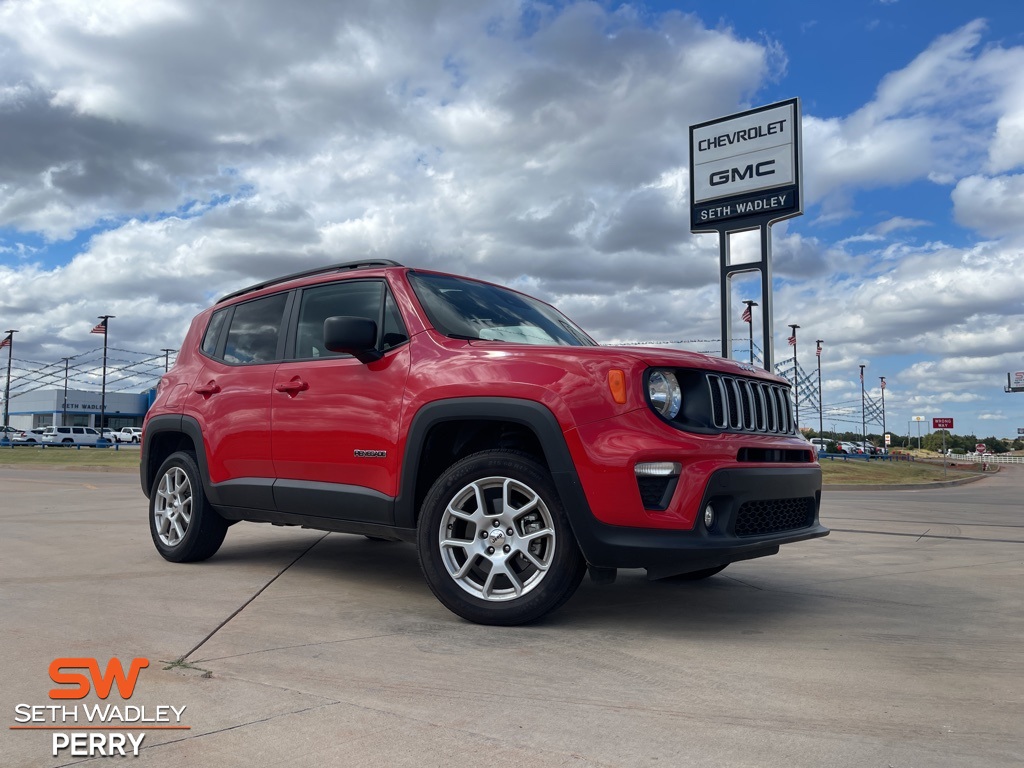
(466, 309)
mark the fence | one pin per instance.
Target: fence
(988, 459)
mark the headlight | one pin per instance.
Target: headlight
(664, 393)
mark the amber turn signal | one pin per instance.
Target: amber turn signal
(617, 385)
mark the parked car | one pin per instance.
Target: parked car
(34, 435)
(128, 435)
(10, 433)
(820, 444)
(108, 434)
(70, 436)
(478, 423)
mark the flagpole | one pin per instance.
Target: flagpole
(103, 389)
(821, 403)
(749, 314)
(7, 387)
(796, 376)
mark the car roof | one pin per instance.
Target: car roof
(343, 267)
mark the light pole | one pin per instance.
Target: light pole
(863, 427)
(167, 352)
(64, 410)
(821, 403)
(883, 413)
(748, 317)
(796, 375)
(9, 343)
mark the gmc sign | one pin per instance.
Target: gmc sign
(746, 165)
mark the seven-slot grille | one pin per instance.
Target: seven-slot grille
(749, 405)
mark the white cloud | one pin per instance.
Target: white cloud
(992, 206)
(543, 146)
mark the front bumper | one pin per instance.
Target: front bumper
(757, 510)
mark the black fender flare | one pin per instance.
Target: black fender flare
(182, 425)
(529, 413)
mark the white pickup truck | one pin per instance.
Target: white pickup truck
(128, 435)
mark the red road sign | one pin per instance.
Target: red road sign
(942, 423)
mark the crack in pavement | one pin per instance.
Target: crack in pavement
(244, 605)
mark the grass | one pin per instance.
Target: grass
(836, 472)
(861, 472)
(106, 459)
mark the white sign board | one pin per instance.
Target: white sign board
(918, 418)
(745, 166)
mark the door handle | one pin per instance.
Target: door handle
(292, 387)
(210, 388)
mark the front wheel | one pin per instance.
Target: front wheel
(494, 542)
(185, 528)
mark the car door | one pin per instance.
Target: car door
(336, 421)
(230, 399)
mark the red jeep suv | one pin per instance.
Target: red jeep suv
(480, 424)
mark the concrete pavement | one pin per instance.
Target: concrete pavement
(893, 642)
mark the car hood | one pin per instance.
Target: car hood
(669, 358)
(655, 357)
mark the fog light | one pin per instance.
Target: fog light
(709, 516)
(658, 469)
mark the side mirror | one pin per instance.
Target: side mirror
(354, 336)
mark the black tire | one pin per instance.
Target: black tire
(67, 441)
(526, 562)
(184, 527)
(704, 573)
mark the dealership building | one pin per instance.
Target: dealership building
(47, 407)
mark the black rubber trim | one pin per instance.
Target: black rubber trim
(526, 412)
(668, 551)
(333, 500)
(248, 492)
(178, 424)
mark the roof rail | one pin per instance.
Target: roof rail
(348, 265)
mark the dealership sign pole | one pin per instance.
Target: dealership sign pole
(944, 425)
(745, 174)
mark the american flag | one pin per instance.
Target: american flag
(818, 351)
(883, 381)
(101, 327)
(792, 340)
(7, 341)
(746, 318)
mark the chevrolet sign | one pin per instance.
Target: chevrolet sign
(746, 166)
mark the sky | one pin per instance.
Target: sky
(155, 156)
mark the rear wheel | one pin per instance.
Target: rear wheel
(494, 541)
(185, 528)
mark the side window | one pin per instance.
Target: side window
(254, 330)
(352, 298)
(213, 330)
